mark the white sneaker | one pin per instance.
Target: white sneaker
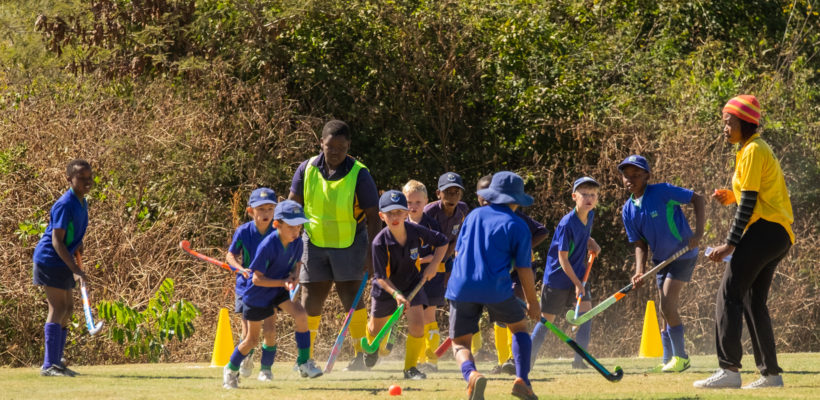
(230, 378)
(723, 378)
(766, 381)
(309, 369)
(265, 375)
(246, 367)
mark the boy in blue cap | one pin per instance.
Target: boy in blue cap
(566, 263)
(396, 271)
(275, 268)
(654, 221)
(240, 254)
(56, 261)
(492, 239)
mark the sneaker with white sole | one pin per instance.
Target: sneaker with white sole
(265, 375)
(357, 363)
(246, 367)
(723, 378)
(310, 370)
(766, 381)
(656, 369)
(676, 364)
(230, 378)
(52, 371)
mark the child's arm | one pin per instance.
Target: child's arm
(593, 246)
(58, 241)
(640, 262)
(293, 277)
(432, 268)
(388, 287)
(259, 279)
(563, 258)
(527, 278)
(699, 203)
(237, 263)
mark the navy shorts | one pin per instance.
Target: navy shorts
(252, 313)
(384, 304)
(434, 289)
(679, 270)
(56, 277)
(555, 301)
(464, 316)
(321, 264)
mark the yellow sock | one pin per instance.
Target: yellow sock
(370, 336)
(358, 328)
(313, 327)
(432, 337)
(501, 343)
(383, 345)
(423, 352)
(477, 343)
(509, 343)
(413, 348)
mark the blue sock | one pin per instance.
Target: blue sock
(302, 346)
(466, 368)
(522, 350)
(53, 337)
(268, 355)
(676, 336)
(236, 359)
(63, 336)
(582, 337)
(666, 341)
(539, 334)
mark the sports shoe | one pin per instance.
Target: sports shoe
(66, 371)
(508, 367)
(579, 364)
(522, 390)
(52, 371)
(414, 374)
(676, 364)
(766, 381)
(476, 386)
(723, 378)
(246, 367)
(370, 360)
(230, 378)
(496, 370)
(357, 363)
(428, 367)
(656, 369)
(309, 369)
(265, 375)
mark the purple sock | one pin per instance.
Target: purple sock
(582, 337)
(53, 337)
(522, 349)
(236, 359)
(539, 334)
(676, 337)
(666, 342)
(268, 355)
(466, 368)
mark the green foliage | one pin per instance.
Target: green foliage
(30, 230)
(145, 333)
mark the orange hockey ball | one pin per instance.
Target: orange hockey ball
(394, 390)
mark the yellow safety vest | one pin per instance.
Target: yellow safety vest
(329, 207)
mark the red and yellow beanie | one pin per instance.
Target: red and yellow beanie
(744, 107)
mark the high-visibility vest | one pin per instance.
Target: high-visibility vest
(329, 207)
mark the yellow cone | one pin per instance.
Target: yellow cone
(223, 344)
(651, 337)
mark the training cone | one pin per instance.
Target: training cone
(223, 344)
(651, 337)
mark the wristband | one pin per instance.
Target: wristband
(396, 293)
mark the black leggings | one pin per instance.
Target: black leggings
(744, 292)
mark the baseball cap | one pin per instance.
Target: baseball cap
(582, 180)
(392, 200)
(290, 212)
(262, 196)
(506, 187)
(450, 179)
(635, 160)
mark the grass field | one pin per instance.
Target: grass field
(551, 379)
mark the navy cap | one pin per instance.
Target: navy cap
(450, 179)
(506, 187)
(262, 196)
(290, 212)
(635, 160)
(582, 180)
(392, 200)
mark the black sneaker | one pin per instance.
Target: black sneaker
(508, 367)
(496, 370)
(414, 374)
(370, 360)
(357, 363)
(579, 364)
(65, 370)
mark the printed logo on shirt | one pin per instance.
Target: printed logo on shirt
(414, 253)
(455, 229)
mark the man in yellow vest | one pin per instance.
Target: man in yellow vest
(341, 203)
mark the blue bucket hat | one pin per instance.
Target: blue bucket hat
(262, 196)
(583, 180)
(290, 212)
(450, 179)
(506, 187)
(392, 200)
(635, 160)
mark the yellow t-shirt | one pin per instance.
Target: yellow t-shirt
(757, 170)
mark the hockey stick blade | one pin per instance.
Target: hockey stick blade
(612, 377)
(186, 247)
(89, 319)
(371, 348)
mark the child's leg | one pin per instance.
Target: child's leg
(522, 350)
(269, 345)
(300, 327)
(670, 297)
(241, 351)
(374, 326)
(59, 306)
(69, 310)
(415, 333)
(500, 338)
(666, 341)
(509, 341)
(582, 335)
(428, 348)
(539, 334)
(314, 295)
(358, 321)
(477, 342)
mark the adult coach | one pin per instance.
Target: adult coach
(759, 238)
(341, 203)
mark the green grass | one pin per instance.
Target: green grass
(551, 379)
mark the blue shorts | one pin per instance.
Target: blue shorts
(384, 304)
(238, 305)
(555, 301)
(464, 316)
(679, 270)
(435, 289)
(321, 264)
(253, 313)
(56, 277)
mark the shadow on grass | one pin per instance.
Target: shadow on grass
(161, 377)
(373, 391)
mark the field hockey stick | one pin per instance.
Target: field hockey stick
(443, 347)
(186, 246)
(293, 292)
(89, 319)
(371, 348)
(391, 338)
(621, 293)
(584, 283)
(612, 377)
(337, 345)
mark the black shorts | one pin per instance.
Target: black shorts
(434, 289)
(251, 313)
(555, 301)
(57, 277)
(464, 316)
(384, 304)
(322, 264)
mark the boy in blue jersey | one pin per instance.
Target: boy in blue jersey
(56, 263)
(567, 263)
(397, 270)
(654, 221)
(243, 248)
(493, 238)
(275, 269)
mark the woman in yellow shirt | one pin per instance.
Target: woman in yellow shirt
(760, 237)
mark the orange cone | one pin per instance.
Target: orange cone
(223, 344)
(651, 337)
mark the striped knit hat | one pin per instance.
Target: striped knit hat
(744, 107)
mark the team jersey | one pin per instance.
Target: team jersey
(658, 220)
(401, 264)
(275, 262)
(245, 241)
(572, 236)
(70, 214)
